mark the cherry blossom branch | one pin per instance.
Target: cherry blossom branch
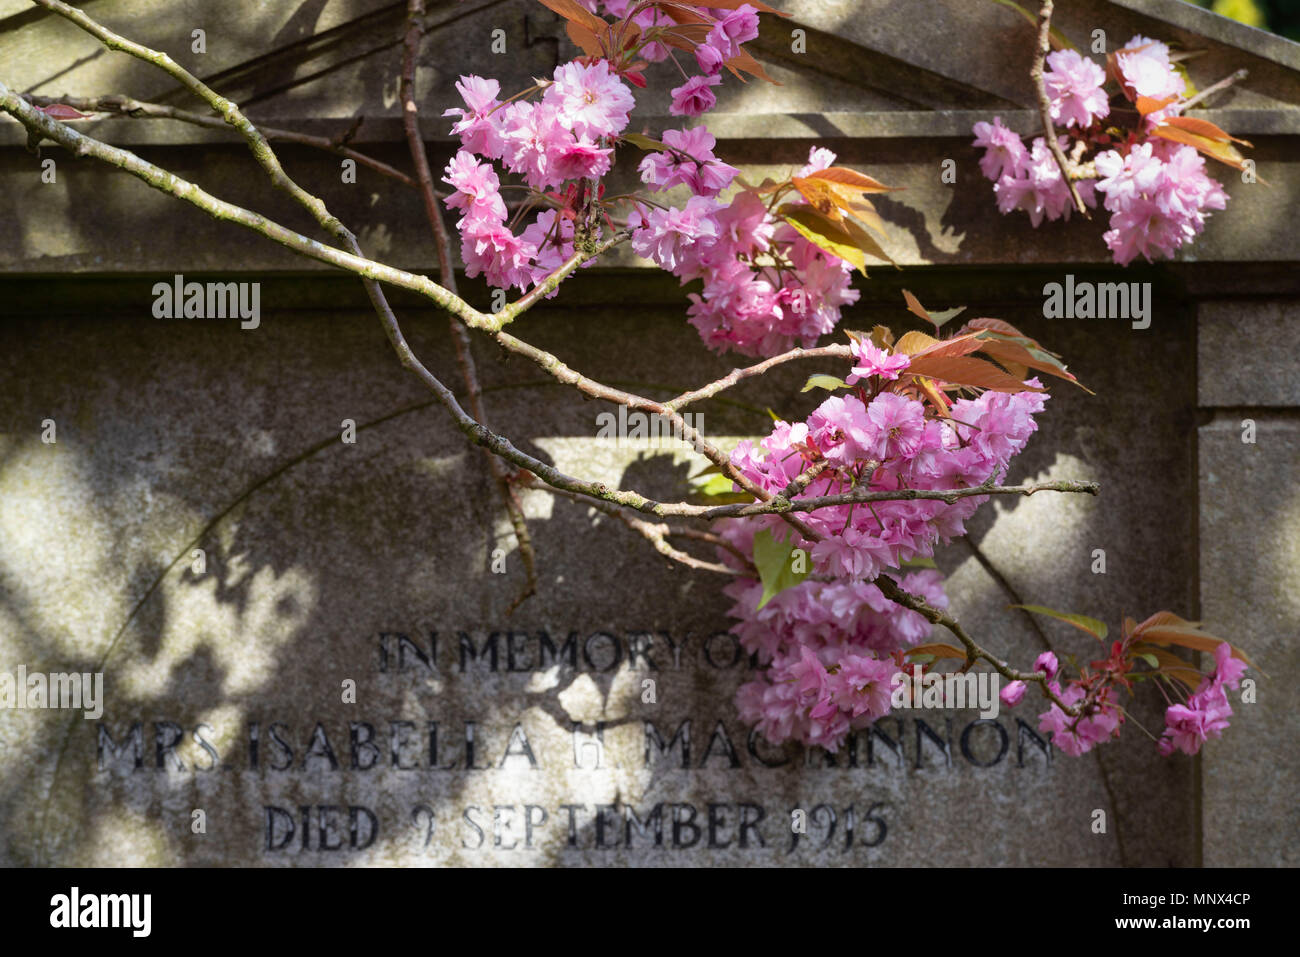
(1213, 88)
(125, 106)
(736, 375)
(895, 593)
(658, 533)
(231, 113)
(447, 274)
(1045, 103)
(41, 126)
(860, 495)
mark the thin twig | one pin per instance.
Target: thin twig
(447, 275)
(1213, 88)
(125, 106)
(1045, 103)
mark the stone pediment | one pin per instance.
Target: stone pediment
(893, 86)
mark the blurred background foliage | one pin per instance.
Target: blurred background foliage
(1278, 16)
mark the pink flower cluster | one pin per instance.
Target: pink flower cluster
(1100, 721)
(730, 29)
(1077, 735)
(1158, 195)
(1207, 711)
(1157, 191)
(829, 647)
(766, 287)
(829, 642)
(1027, 179)
(561, 139)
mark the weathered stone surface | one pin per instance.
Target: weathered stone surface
(1247, 354)
(328, 562)
(1250, 525)
(180, 434)
(884, 84)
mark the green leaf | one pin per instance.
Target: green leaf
(1152, 660)
(828, 382)
(645, 142)
(919, 562)
(774, 562)
(939, 318)
(825, 234)
(1092, 626)
(715, 484)
(709, 469)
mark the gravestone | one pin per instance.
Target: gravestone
(309, 640)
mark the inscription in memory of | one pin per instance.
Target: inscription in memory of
(318, 748)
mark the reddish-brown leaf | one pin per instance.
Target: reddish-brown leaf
(1223, 152)
(1204, 128)
(61, 111)
(968, 371)
(583, 38)
(1189, 637)
(915, 308)
(742, 61)
(995, 325)
(682, 13)
(939, 650)
(1171, 664)
(919, 345)
(819, 196)
(1146, 104)
(912, 343)
(849, 177)
(576, 13)
(1013, 354)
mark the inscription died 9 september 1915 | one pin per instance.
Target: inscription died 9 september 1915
(713, 808)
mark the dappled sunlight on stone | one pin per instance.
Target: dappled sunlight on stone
(56, 548)
(243, 642)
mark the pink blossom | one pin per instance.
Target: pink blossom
(1074, 85)
(1004, 151)
(873, 361)
(819, 158)
(694, 98)
(533, 135)
(1227, 669)
(736, 27)
(899, 424)
(1039, 188)
(709, 58)
(690, 161)
(862, 685)
(477, 188)
(1047, 664)
(479, 133)
(1078, 735)
(1013, 693)
(667, 236)
(591, 101)
(580, 159)
(1146, 69)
